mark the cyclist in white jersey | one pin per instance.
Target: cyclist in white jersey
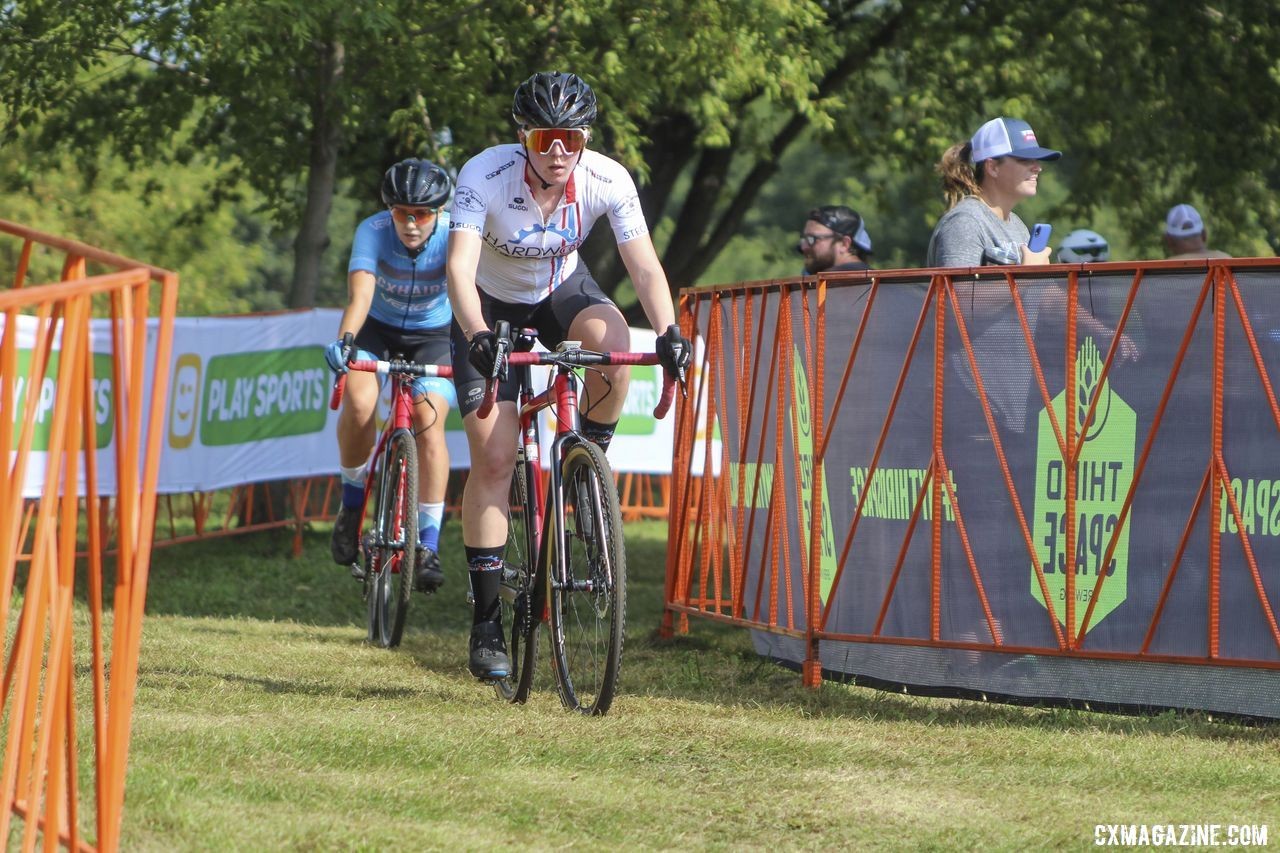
(520, 213)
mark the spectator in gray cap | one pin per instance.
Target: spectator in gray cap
(1185, 235)
(834, 239)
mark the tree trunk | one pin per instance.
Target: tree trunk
(326, 138)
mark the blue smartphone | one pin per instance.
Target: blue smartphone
(1039, 236)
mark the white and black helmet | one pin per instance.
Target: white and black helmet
(1083, 246)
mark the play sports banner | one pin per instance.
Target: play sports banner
(249, 399)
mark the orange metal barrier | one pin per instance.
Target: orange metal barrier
(40, 775)
(750, 548)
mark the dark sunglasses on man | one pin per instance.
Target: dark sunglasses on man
(808, 241)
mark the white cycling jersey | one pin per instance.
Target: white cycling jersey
(526, 257)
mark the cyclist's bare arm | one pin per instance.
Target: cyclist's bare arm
(652, 288)
(460, 273)
(360, 287)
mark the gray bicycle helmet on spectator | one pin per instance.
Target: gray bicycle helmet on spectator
(1083, 246)
(416, 183)
(554, 99)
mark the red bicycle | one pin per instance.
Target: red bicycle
(568, 516)
(389, 547)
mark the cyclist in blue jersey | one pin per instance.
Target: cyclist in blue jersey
(519, 216)
(397, 303)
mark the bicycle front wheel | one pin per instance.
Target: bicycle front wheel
(395, 540)
(588, 583)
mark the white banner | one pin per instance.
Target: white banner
(249, 402)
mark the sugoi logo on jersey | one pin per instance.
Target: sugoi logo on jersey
(498, 171)
(567, 230)
(468, 199)
(516, 205)
(627, 207)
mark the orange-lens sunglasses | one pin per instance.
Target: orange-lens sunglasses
(417, 214)
(540, 139)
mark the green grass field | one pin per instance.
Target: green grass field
(264, 721)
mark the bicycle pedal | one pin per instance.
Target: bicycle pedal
(357, 572)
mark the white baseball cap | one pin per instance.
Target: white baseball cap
(1002, 137)
(1183, 221)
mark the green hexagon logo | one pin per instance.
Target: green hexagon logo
(1104, 473)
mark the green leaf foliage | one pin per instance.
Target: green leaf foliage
(723, 108)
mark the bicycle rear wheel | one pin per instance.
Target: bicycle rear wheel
(515, 593)
(395, 540)
(588, 583)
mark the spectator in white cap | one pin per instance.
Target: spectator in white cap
(983, 180)
(834, 238)
(1185, 235)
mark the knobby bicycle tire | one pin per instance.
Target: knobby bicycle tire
(515, 593)
(588, 582)
(395, 538)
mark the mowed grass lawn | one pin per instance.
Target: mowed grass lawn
(264, 721)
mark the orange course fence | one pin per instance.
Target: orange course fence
(58, 415)
(1033, 483)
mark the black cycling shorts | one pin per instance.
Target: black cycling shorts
(425, 346)
(551, 317)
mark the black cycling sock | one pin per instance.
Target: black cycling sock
(598, 433)
(485, 568)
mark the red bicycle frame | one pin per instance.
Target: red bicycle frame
(402, 374)
(561, 398)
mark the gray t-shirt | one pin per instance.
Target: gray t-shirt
(970, 235)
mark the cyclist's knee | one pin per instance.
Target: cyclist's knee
(429, 413)
(360, 398)
(492, 458)
(601, 327)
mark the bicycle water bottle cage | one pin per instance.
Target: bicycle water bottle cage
(569, 346)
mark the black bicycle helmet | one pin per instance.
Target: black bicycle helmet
(416, 183)
(554, 99)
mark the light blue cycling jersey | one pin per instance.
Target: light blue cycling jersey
(410, 292)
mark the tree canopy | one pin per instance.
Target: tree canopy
(736, 115)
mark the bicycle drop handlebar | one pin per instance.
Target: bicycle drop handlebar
(386, 368)
(572, 358)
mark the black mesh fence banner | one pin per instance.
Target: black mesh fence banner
(998, 514)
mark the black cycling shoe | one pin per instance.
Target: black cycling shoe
(489, 660)
(345, 544)
(427, 576)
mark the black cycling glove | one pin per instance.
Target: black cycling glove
(483, 352)
(675, 353)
